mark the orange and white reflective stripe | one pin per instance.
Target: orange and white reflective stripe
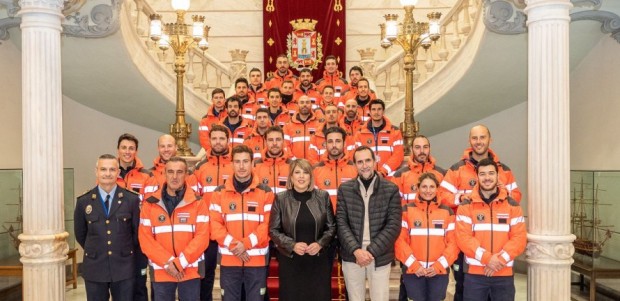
(426, 231)
(151, 188)
(505, 255)
(479, 253)
(236, 140)
(404, 224)
(209, 188)
(202, 219)
(251, 252)
(267, 208)
(300, 139)
(491, 227)
(463, 218)
(410, 260)
(332, 192)
(175, 228)
(398, 142)
(228, 240)
(253, 239)
(517, 220)
(145, 222)
(203, 128)
(245, 217)
(512, 186)
(474, 262)
(450, 227)
(215, 207)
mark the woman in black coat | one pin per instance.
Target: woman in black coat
(302, 226)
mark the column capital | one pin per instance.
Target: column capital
(543, 10)
(43, 248)
(550, 248)
(41, 6)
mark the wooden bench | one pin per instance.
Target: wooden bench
(12, 266)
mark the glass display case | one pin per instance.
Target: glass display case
(11, 217)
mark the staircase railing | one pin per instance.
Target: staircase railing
(203, 71)
(389, 75)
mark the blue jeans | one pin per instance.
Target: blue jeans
(189, 290)
(480, 287)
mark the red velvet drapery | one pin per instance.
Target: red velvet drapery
(330, 26)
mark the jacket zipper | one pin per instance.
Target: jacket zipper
(242, 223)
(428, 234)
(491, 218)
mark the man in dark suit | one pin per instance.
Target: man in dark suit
(106, 221)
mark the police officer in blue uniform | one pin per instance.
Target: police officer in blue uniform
(106, 221)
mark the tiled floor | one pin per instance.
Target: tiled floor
(520, 284)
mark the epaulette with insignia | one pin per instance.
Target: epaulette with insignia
(84, 193)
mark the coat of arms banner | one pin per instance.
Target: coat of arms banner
(306, 31)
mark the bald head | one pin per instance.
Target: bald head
(167, 147)
(480, 129)
(479, 140)
(350, 109)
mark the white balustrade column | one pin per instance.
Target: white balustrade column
(43, 246)
(549, 250)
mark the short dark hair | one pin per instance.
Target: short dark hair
(356, 68)
(219, 128)
(363, 79)
(328, 87)
(274, 90)
(428, 175)
(336, 129)
(107, 156)
(262, 110)
(487, 162)
(282, 55)
(129, 137)
(233, 99)
(363, 148)
(274, 128)
(254, 70)
(240, 149)
(287, 81)
(331, 57)
(217, 91)
(305, 70)
(377, 101)
(241, 80)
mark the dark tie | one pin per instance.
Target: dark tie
(107, 204)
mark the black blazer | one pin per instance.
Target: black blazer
(109, 242)
(284, 215)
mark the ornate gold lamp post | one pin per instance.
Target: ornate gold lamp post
(180, 37)
(410, 35)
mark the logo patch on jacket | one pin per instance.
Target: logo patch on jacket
(161, 218)
(502, 218)
(384, 140)
(281, 181)
(417, 223)
(257, 148)
(232, 206)
(480, 217)
(265, 181)
(252, 206)
(297, 132)
(327, 182)
(369, 141)
(183, 217)
(438, 224)
(413, 188)
(209, 179)
(472, 182)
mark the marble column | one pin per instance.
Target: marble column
(549, 250)
(43, 246)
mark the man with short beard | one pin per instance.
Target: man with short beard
(273, 167)
(460, 180)
(350, 121)
(239, 128)
(420, 161)
(278, 113)
(282, 73)
(368, 215)
(318, 140)
(256, 140)
(383, 138)
(307, 88)
(214, 170)
(355, 75)
(303, 125)
(256, 89)
(215, 114)
(288, 101)
(247, 105)
(490, 230)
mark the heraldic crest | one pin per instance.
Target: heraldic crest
(305, 49)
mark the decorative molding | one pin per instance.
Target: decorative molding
(104, 16)
(554, 247)
(5, 25)
(501, 16)
(595, 4)
(610, 21)
(55, 5)
(41, 248)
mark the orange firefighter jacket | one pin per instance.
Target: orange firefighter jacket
(213, 171)
(461, 179)
(273, 172)
(318, 145)
(256, 142)
(483, 230)
(259, 96)
(406, 178)
(336, 80)
(241, 132)
(205, 125)
(181, 237)
(297, 134)
(242, 217)
(158, 178)
(387, 145)
(427, 238)
(275, 81)
(329, 174)
(135, 179)
(352, 127)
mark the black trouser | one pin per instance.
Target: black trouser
(140, 293)
(210, 262)
(496, 288)
(100, 291)
(459, 276)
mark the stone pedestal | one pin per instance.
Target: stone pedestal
(43, 246)
(549, 250)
